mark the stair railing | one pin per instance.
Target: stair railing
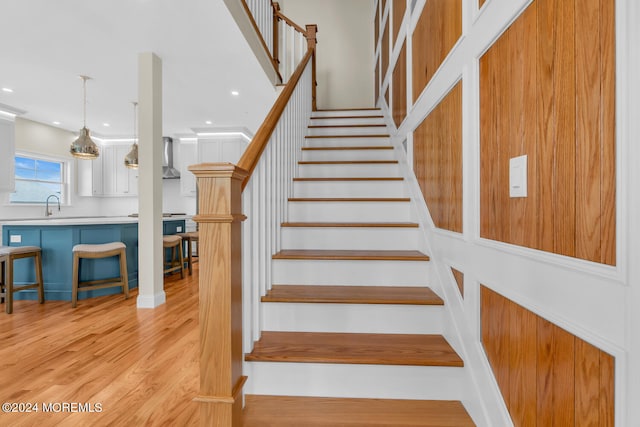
(235, 255)
(284, 40)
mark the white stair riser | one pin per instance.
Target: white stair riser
(347, 155)
(346, 142)
(349, 211)
(346, 130)
(360, 381)
(353, 238)
(349, 170)
(349, 189)
(349, 121)
(353, 318)
(341, 113)
(350, 272)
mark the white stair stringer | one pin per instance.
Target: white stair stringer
(353, 380)
(350, 238)
(350, 272)
(353, 318)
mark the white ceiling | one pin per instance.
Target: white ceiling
(45, 45)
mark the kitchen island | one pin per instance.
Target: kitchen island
(57, 236)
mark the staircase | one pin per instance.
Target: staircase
(352, 334)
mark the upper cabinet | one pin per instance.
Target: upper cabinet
(222, 146)
(7, 148)
(107, 175)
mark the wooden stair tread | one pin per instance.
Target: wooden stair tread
(354, 348)
(363, 125)
(353, 224)
(348, 117)
(370, 178)
(352, 147)
(294, 411)
(348, 162)
(409, 295)
(385, 135)
(349, 199)
(351, 255)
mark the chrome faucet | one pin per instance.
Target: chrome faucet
(47, 212)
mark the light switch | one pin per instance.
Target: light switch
(179, 229)
(518, 176)
(15, 238)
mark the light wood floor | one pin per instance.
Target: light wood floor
(140, 365)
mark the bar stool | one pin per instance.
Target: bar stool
(191, 237)
(173, 242)
(8, 254)
(104, 250)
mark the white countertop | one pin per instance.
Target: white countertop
(83, 220)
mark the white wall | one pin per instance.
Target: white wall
(600, 304)
(344, 50)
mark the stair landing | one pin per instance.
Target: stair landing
(288, 411)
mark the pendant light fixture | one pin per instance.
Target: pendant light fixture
(131, 159)
(84, 147)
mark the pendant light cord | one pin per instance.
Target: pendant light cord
(84, 99)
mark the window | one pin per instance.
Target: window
(37, 179)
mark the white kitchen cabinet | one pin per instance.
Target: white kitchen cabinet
(107, 175)
(188, 156)
(7, 158)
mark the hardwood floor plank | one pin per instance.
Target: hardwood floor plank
(141, 365)
(353, 294)
(290, 411)
(378, 349)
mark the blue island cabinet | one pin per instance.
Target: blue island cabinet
(57, 242)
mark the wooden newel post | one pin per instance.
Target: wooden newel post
(312, 41)
(276, 29)
(220, 224)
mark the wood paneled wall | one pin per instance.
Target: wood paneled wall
(384, 49)
(437, 160)
(399, 7)
(459, 276)
(547, 376)
(399, 88)
(439, 28)
(547, 90)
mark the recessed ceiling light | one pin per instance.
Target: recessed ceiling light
(235, 93)
(56, 123)
(7, 89)
(106, 125)
(208, 122)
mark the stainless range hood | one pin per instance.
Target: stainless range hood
(168, 171)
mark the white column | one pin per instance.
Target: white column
(150, 275)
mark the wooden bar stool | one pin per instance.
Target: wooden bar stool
(104, 250)
(191, 237)
(8, 254)
(173, 242)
